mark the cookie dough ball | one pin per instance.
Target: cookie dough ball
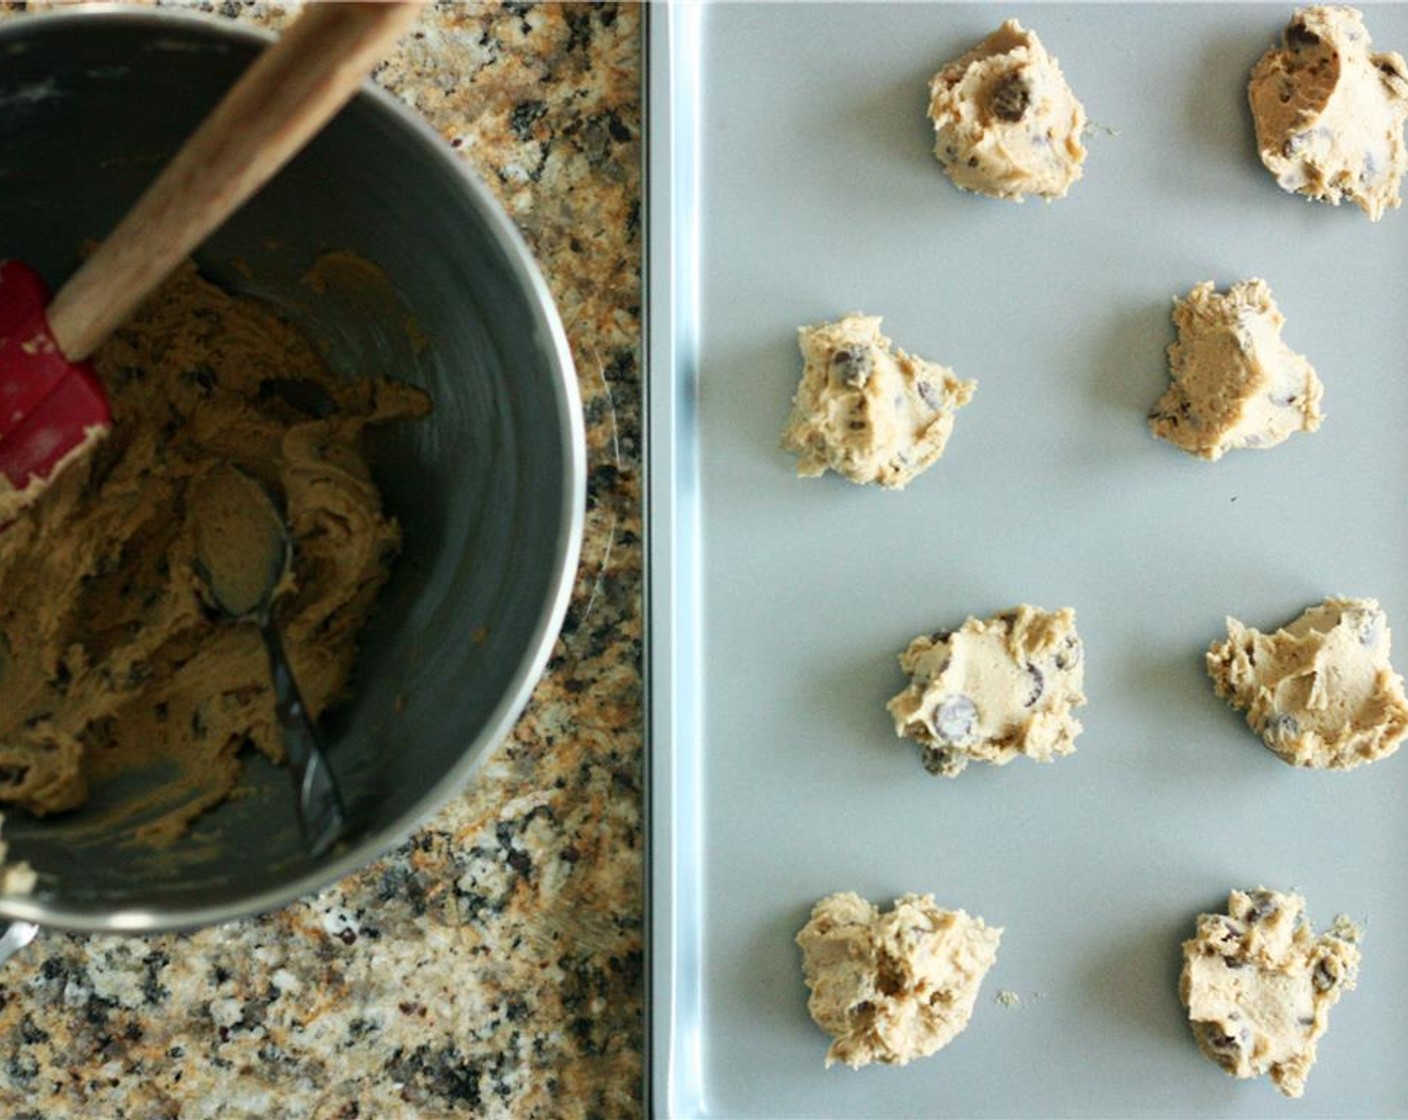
(1329, 114)
(867, 411)
(895, 986)
(1006, 123)
(993, 689)
(1320, 692)
(1258, 985)
(1235, 384)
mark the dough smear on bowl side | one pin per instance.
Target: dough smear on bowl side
(894, 986)
(17, 877)
(1258, 984)
(1320, 692)
(1006, 124)
(1329, 114)
(110, 660)
(867, 410)
(1234, 383)
(992, 690)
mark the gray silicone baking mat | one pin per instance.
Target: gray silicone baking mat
(805, 188)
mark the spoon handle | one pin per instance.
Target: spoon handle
(14, 936)
(320, 812)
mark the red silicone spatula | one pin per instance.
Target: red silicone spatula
(50, 401)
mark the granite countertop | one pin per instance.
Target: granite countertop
(492, 964)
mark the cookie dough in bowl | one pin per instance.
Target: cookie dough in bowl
(1320, 692)
(111, 660)
(1234, 383)
(1258, 984)
(1006, 124)
(1329, 113)
(894, 986)
(992, 690)
(866, 409)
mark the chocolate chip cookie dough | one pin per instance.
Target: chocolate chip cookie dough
(1006, 124)
(1235, 384)
(867, 411)
(1320, 692)
(992, 690)
(1329, 113)
(894, 986)
(1259, 984)
(110, 658)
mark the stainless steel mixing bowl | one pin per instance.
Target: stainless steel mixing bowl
(489, 490)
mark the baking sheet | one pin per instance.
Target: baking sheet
(791, 180)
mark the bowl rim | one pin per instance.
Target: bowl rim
(52, 912)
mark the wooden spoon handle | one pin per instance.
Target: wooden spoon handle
(276, 107)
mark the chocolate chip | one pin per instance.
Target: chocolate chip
(1010, 97)
(929, 395)
(1294, 144)
(937, 760)
(203, 378)
(1214, 1038)
(1231, 930)
(13, 775)
(1263, 906)
(1326, 974)
(1070, 653)
(1038, 686)
(1299, 37)
(850, 367)
(954, 719)
(300, 394)
(1281, 727)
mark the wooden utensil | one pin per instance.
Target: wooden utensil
(51, 403)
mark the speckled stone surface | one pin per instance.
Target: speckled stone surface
(492, 965)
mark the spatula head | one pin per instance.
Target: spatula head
(49, 406)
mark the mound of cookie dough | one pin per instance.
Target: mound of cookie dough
(891, 987)
(992, 690)
(1329, 113)
(1320, 692)
(867, 411)
(1006, 123)
(1234, 383)
(1259, 984)
(110, 659)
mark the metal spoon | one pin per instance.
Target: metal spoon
(243, 552)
